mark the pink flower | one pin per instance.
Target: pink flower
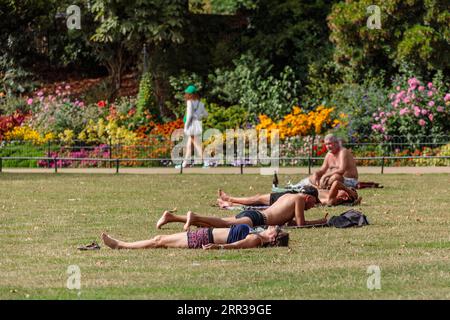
(30, 101)
(431, 103)
(81, 104)
(40, 93)
(376, 127)
(413, 82)
(406, 100)
(422, 122)
(431, 117)
(67, 87)
(447, 97)
(404, 111)
(417, 112)
(429, 85)
(421, 88)
(430, 93)
(424, 111)
(398, 88)
(440, 109)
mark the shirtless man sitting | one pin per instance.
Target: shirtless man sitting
(339, 165)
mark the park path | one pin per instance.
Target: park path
(229, 170)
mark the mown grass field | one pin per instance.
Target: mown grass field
(44, 217)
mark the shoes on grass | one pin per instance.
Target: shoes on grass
(92, 246)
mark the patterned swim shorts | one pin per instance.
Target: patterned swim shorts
(196, 239)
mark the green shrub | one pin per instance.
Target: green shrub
(251, 85)
(222, 118)
(146, 100)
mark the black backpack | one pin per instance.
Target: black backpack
(348, 219)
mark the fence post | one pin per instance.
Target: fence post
(242, 168)
(110, 151)
(117, 165)
(48, 154)
(56, 164)
(181, 168)
(309, 164)
(382, 165)
(1, 164)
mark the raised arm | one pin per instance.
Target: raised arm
(324, 166)
(251, 241)
(300, 214)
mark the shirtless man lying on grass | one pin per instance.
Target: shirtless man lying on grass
(338, 194)
(288, 209)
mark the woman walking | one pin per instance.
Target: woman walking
(195, 112)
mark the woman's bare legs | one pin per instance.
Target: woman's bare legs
(198, 153)
(258, 199)
(177, 240)
(188, 155)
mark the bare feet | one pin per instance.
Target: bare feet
(166, 217)
(110, 242)
(224, 204)
(223, 195)
(190, 217)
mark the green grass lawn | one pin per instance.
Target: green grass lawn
(44, 217)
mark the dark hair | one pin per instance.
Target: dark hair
(281, 240)
(310, 190)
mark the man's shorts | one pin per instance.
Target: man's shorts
(350, 182)
(257, 218)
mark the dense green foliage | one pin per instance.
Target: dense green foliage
(264, 56)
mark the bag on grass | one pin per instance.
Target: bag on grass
(348, 219)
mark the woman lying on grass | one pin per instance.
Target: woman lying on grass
(237, 237)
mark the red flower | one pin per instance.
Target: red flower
(101, 104)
